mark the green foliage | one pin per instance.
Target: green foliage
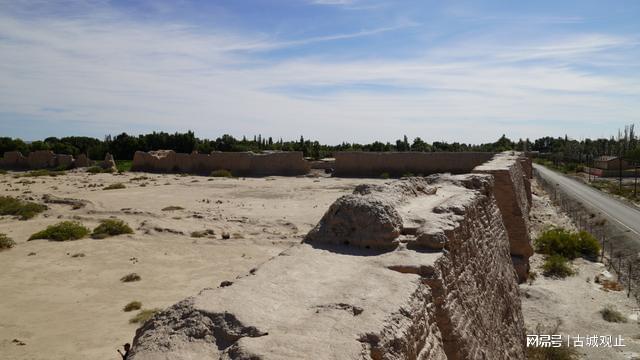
(558, 241)
(143, 316)
(24, 210)
(123, 165)
(131, 277)
(6, 242)
(111, 227)
(589, 245)
(3, 172)
(123, 146)
(134, 305)
(221, 173)
(563, 167)
(613, 187)
(610, 314)
(63, 231)
(556, 266)
(115, 186)
(385, 175)
(634, 154)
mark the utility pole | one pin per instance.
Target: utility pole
(620, 171)
(635, 182)
(588, 168)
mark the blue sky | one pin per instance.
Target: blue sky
(333, 70)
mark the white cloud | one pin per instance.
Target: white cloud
(111, 71)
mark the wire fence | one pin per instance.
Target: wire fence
(619, 250)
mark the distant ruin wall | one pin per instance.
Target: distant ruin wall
(239, 163)
(373, 164)
(513, 194)
(436, 283)
(41, 159)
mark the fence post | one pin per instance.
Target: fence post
(610, 254)
(629, 280)
(619, 264)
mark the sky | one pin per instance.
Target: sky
(331, 70)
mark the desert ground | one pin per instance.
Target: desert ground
(575, 302)
(64, 300)
(65, 307)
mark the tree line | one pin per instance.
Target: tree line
(123, 146)
(563, 149)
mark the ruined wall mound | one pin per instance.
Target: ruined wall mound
(373, 164)
(512, 191)
(239, 163)
(345, 302)
(40, 159)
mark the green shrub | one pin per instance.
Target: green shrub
(557, 266)
(63, 231)
(385, 175)
(43, 172)
(143, 316)
(221, 173)
(203, 233)
(172, 208)
(6, 242)
(131, 277)
(22, 209)
(111, 227)
(558, 241)
(134, 305)
(408, 174)
(124, 165)
(95, 170)
(589, 246)
(3, 172)
(115, 186)
(610, 314)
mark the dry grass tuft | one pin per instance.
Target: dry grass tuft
(6, 242)
(143, 316)
(115, 186)
(131, 277)
(134, 305)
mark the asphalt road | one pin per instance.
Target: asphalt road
(618, 212)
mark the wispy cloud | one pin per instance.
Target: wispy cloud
(104, 72)
(333, 2)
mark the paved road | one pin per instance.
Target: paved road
(626, 216)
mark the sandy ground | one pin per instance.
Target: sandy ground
(64, 307)
(576, 300)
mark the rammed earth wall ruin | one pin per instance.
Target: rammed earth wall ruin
(238, 163)
(413, 269)
(512, 176)
(41, 159)
(374, 164)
